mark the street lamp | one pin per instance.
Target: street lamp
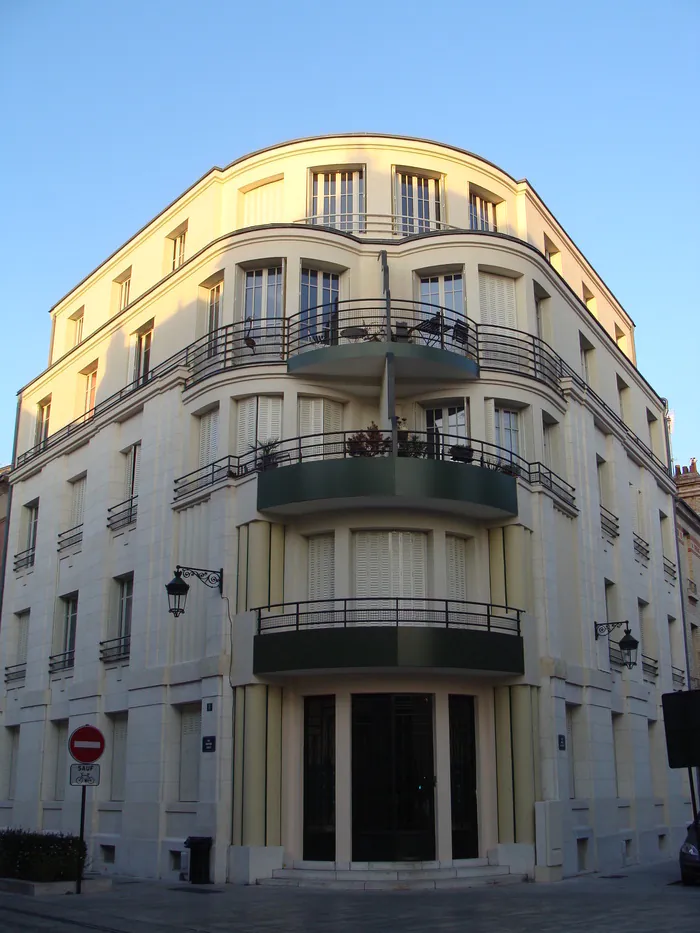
(628, 644)
(177, 589)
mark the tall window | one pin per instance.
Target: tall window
(178, 249)
(445, 426)
(321, 424)
(618, 759)
(259, 421)
(214, 310)
(60, 749)
(321, 567)
(132, 466)
(76, 327)
(482, 213)
(456, 567)
(190, 740)
(444, 290)
(319, 300)
(32, 525)
(497, 300)
(571, 749)
(390, 564)
(120, 722)
(586, 352)
(69, 626)
(338, 200)
(125, 597)
(418, 203)
(8, 764)
(77, 504)
(43, 415)
(208, 437)
(623, 392)
(263, 307)
(90, 388)
(22, 636)
(141, 350)
(507, 429)
(124, 292)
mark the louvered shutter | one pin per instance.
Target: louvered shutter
(245, 434)
(269, 418)
(456, 567)
(311, 423)
(490, 455)
(409, 557)
(137, 468)
(334, 443)
(372, 573)
(321, 575)
(61, 752)
(77, 502)
(131, 373)
(497, 299)
(22, 638)
(190, 733)
(118, 776)
(263, 205)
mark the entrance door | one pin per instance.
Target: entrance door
(465, 830)
(319, 778)
(393, 778)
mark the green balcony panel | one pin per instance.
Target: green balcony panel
(388, 482)
(366, 360)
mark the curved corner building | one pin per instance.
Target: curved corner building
(374, 381)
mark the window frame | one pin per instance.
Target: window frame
(428, 209)
(353, 221)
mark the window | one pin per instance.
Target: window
(141, 354)
(482, 213)
(118, 764)
(623, 392)
(263, 305)
(571, 711)
(190, 739)
(77, 504)
(417, 203)
(178, 249)
(262, 202)
(57, 787)
(321, 567)
(621, 339)
(8, 764)
(43, 415)
(124, 290)
(552, 254)
(76, 327)
(497, 300)
(89, 390)
(390, 564)
(69, 623)
(259, 420)
(319, 299)
(445, 427)
(338, 199)
(589, 300)
(125, 598)
(617, 732)
(550, 438)
(447, 291)
(648, 644)
(32, 524)
(586, 354)
(214, 308)
(667, 537)
(324, 417)
(654, 432)
(22, 636)
(507, 430)
(456, 567)
(208, 437)
(132, 466)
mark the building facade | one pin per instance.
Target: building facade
(688, 531)
(374, 382)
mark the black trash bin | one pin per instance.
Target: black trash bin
(200, 849)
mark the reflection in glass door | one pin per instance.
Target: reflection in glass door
(319, 778)
(446, 426)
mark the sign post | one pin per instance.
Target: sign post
(86, 746)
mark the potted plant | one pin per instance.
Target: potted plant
(507, 466)
(411, 446)
(462, 453)
(266, 455)
(372, 442)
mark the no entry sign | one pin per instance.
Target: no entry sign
(86, 744)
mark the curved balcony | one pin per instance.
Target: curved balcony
(382, 226)
(388, 633)
(352, 338)
(354, 469)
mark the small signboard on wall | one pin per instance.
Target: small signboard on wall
(208, 743)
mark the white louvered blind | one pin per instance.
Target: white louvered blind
(320, 416)
(456, 567)
(118, 776)
(190, 735)
(321, 564)
(247, 409)
(269, 418)
(208, 437)
(497, 299)
(263, 205)
(77, 502)
(61, 749)
(22, 637)
(131, 471)
(490, 420)
(390, 563)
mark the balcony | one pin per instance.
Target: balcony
(213, 474)
(388, 633)
(115, 649)
(62, 662)
(24, 559)
(650, 667)
(641, 547)
(123, 514)
(70, 538)
(670, 572)
(678, 678)
(351, 339)
(609, 523)
(15, 673)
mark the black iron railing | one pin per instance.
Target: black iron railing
(246, 343)
(24, 559)
(641, 547)
(70, 538)
(370, 442)
(670, 569)
(122, 514)
(678, 677)
(615, 654)
(61, 662)
(15, 672)
(378, 225)
(609, 523)
(388, 611)
(115, 649)
(650, 666)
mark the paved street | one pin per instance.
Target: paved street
(644, 901)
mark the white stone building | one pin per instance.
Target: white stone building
(410, 672)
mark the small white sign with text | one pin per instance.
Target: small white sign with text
(84, 775)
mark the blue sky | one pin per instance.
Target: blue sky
(110, 110)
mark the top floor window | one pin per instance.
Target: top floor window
(552, 254)
(75, 335)
(124, 291)
(214, 319)
(418, 203)
(178, 249)
(43, 415)
(482, 213)
(338, 199)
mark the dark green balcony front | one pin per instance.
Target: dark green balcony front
(467, 489)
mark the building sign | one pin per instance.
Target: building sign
(208, 743)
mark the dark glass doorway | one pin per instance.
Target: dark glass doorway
(465, 827)
(393, 778)
(319, 778)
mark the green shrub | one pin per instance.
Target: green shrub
(34, 856)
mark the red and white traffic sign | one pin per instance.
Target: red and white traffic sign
(86, 744)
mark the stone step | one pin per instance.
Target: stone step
(388, 874)
(413, 884)
(389, 866)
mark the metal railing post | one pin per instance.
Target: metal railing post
(297, 619)
(488, 617)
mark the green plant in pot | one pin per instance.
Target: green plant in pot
(409, 445)
(372, 442)
(266, 454)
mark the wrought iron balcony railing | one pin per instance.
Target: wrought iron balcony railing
(678, 677)
(670, 570)
(374, 443)
(389, 611)
(24, 559)
(641, 547)
(115, 649)
(609, 523)
(123, 514)
(62, 662)
(650, 666)
(70, 538)
(15, 672)
(378, 225)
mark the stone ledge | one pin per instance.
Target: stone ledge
(39, 888)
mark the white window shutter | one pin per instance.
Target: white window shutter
(490, 420)
(332, 416)
(321, 564)
(412, 552)
(245, 435)
(263, 205)
(372, 564)
(22, 638)
(118, 776)
(137, 468)
(131, 373)
(310, 416)
(269, 418)
(77, 502)
(190, 737)
(456, 567)
(497, 299)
